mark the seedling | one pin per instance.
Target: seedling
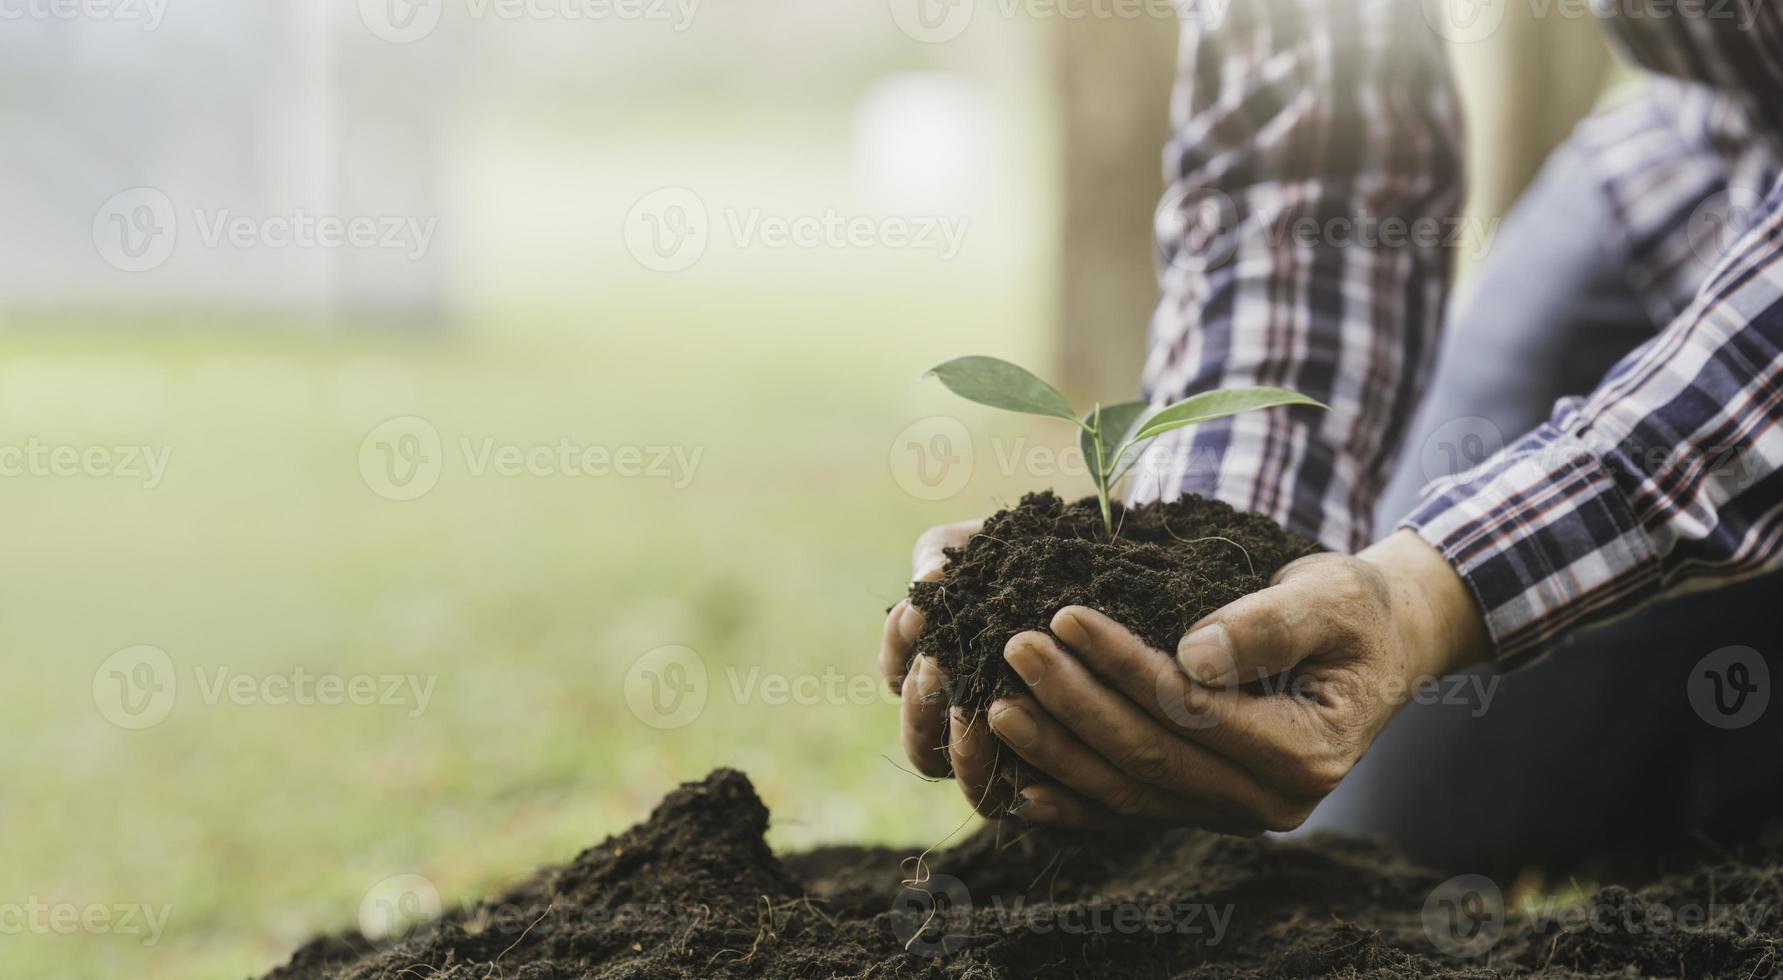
(1112, 435)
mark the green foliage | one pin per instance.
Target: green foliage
(1107, 451)
(1113, 436)
(1000, 384)
(1210, 405)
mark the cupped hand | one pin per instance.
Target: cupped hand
(1265, 707)
(938, 744)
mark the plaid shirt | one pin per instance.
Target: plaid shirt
(1315, 184)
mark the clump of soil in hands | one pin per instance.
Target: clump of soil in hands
(1169, 566)
(695, 892)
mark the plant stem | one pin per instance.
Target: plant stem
(1099, 476)
(1101, 479)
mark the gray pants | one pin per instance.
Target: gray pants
(1604, 754)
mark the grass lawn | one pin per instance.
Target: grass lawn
(518, 604)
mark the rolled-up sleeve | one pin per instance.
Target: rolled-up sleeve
(1667, 478)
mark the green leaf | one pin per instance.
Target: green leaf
(1211, 405)
(1000, 384)
(1117, 423)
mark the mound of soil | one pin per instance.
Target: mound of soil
(1169, 566)
(695, 892)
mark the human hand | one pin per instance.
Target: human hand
(937, 743)
(1266, 706)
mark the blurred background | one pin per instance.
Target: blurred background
(432, 429)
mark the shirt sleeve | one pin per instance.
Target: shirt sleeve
(1668, 478)
(1734, 47)
(1305, 240)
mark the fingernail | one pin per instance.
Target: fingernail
(1205, 654)
(1013, 724)
(958, 725)
(910, 622)
(1026, 660)
(1034, 809)
(1068, 627)
(928, 678)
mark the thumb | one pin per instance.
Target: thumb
(930, 555)
(1261, 635)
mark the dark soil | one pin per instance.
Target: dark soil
(1169, 566)
(695, 892)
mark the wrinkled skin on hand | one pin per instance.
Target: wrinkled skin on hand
(1258, 714)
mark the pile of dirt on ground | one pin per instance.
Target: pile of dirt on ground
(696, 892)
(1168, 566)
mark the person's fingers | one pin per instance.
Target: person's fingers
(924, 716)
(929, 557)
(1043, 742)
(898, 641)
(1109, 723)
(921, 682)
(1148, 677)
(974, 755)
(1275, 737)
(1309, 610)
(1056, 806)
